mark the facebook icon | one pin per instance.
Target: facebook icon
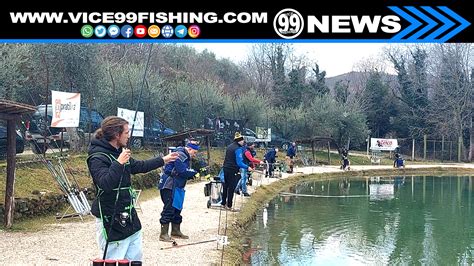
(127, 31)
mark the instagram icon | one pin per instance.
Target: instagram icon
(194, 31)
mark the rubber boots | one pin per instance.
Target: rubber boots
(176, 231)
(164, 233)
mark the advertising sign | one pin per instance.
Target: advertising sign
(383, 144)
(139, 122)
(66, 109)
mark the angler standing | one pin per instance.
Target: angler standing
(111, 166)
(172, 183)
(233, 160)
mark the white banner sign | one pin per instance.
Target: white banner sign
(139, 122)
(263, 134)
(383, 144)
(66, 109)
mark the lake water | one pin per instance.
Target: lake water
(360, 221)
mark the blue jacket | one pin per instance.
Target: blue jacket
(179, 170)
(234, 157)
(291, 152)
(270, 156)
(239, 157)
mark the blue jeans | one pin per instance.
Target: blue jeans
(129, 248)
(242, 185)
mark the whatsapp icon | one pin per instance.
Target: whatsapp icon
(87, 31)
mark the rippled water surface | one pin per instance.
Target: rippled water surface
(380, 220)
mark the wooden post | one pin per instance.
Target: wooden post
(434, 149)
(442, 148)
(208, 151)
(312, 150)
(10, 184)
(413, 150)
(424, 146)
(329, 153)
(450, 149)
(459, 148)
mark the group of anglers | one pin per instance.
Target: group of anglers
(240, 161)
(111, 165)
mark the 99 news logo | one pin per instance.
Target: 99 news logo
(288, 23)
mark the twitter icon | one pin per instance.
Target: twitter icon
(100, 31)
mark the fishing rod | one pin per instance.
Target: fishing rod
(73, 191)
(176, 245)
(75, 196)
(322, 196)
(128, 145)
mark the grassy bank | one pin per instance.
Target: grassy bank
(234, 251)
(32, 177)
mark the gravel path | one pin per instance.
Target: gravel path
(73, 243)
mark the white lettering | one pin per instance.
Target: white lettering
(391, 24)
(75, 18)
(338, 22)
(372, 25)
(94, 17)
(323, 26)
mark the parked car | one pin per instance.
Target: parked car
(20, 142)
(37, 128)
(152, 134)
(279, 141)
(249, 135)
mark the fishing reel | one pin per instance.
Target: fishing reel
(204, 171)
(122, 218)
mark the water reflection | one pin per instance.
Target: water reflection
(380, 220)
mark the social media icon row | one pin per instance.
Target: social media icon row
(140, 31)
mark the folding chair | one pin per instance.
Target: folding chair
(136, 203)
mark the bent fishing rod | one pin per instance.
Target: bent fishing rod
(128, 145)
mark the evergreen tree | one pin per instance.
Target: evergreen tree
(318, 83)
(412, 93)
(379, 107)
(342, 91)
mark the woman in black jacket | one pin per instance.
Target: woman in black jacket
(110, 165)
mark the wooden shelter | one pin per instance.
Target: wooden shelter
(11, 112)
(180, 137)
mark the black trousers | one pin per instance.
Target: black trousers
(231, 179)
(271, 167)
(169, 214)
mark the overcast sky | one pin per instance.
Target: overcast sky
(334, 58)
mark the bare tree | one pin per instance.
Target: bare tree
(451, 112)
